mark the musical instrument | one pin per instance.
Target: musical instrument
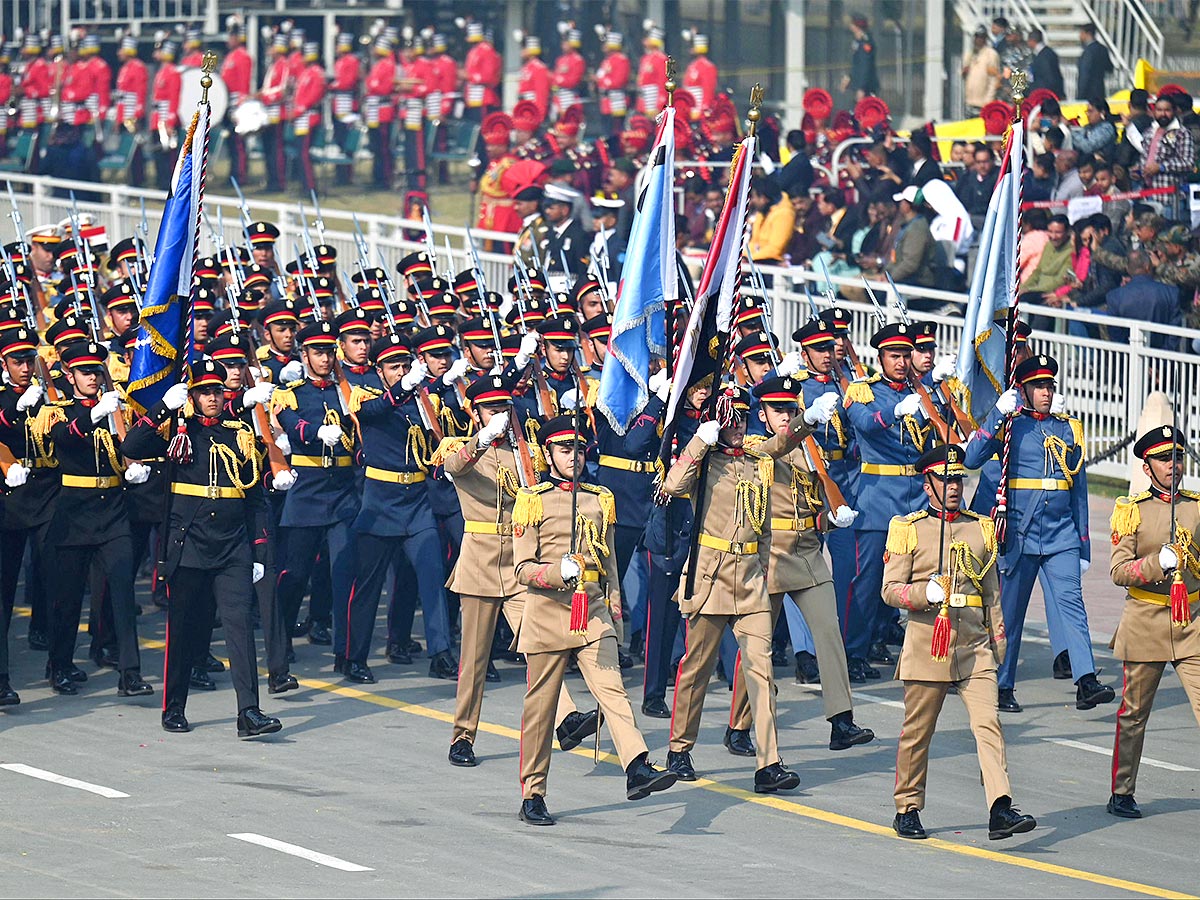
(250, 117)
(191, 92)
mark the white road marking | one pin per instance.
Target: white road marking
(1107, 751)
(871, 698)
(303, 852)
(22, 769)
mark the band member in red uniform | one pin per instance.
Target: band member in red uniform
(482, 74)
(193, 53)
(99, 76)
(275, 86)
(37, 83)
(612, 78)
(569, 70)
(164, 120)
(310, 91)
(535, 77)
(415, 78)
(379, 110)
(347, 75)
(700, 77)
(652, 73)
(236, 72)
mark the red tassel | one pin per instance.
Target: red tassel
(939, 647)
(579, 611)
(1181, 613)
(180, 448)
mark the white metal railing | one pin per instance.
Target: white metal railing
(138, 14)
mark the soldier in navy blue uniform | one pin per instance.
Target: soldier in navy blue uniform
(263, 236)
(354, 341)
(1047, 529)
(217, 539)
(889, 428)
(396, 516)
(478, 348)
(280, 323)
(756, 351)
(557, 339)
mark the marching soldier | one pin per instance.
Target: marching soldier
(343, 89)
(1048, 521)
(941, 569)
(571, 598)
(569, 71)
(652, 73)
(237, 71)
(612, 80)
(99, 75)
(164, 120)
(1160, 572)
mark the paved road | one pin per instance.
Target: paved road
(361, 777)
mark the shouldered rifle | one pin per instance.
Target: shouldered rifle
(35, 288)
(320, 220)
(31, 322)
(421, 394)
(142, 230)
(476, 265)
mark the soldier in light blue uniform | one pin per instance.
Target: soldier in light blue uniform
(1047, 527)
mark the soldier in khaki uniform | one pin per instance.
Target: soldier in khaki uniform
(485, 472)
(799, 513)
(570, 602)
(940, 566)
(733, 520)
(1151, 633)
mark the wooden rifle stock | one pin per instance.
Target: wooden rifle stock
(528, 472)
(832, 492)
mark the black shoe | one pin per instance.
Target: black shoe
(75, 673)
(107, 658)
(534, 812)
(656, 708)
(1124, 806)
(397, 655)
(844, 734)
(38, 640)
(642, 779)
(339, 663)
(212, 664)
(681, 764)
(1006, 820)
(277, 684)
(1006, 701)
(860, 672)
(462, 754)
(492, 676)
(359, 673)
(576, 728)
(908, 825)
(1062, 667)
(251, 722)
(737, 741)
(413, 648)
(1089, 692)
(200, 680)
(131, 684)
(319, 634)
(61, 682)
(8, 697)
(624, 660)
(174, 721)
(779, 657)
(775, 777)
(444, 665)
(807, 671)
(300, 629)
(879, 653)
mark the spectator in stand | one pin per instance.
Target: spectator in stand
(1015, 57)
(796, 177)
(1187, 116)
(808, 223)
(999, 32)
(1146, 300)
(1054, 140)
(920, 154)
(772, 224)
(1054, 277)
(1137, 123)
(1143, 228)
(706, 221)
(975, 188)
(1034, 223)
(1039, 179)
(981, 73)
(915, 251)
(1086, 167)
(880, 239)
(876, 179)
(1094, 64)
(1176, 264)
(840, 221)
(960, 152)
(1096, 233)
(1099, 136)
(1169, 156)
(1104, 185)
(1049, 118)
(1045, 69)
(1070, 185)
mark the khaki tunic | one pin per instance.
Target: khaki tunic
(486, 482)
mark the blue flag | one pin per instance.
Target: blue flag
(164, 340)
(648, 280)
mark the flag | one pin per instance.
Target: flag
(980, 373)
(164, 338)
(649, 279)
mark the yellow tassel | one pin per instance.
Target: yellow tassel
(447, 448)
(1077, 431)
(48, 416)
(859, 392)
(752, 441)
(593, 391)
(988, 527)
(608, 506)
(246, 442)
(1126, 517)
(902, 536)
(360, 395)
(527, 510)
(284, 398)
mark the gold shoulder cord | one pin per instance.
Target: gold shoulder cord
(1057, 449)
(1188, 557)
(229, 459)
(103, 441)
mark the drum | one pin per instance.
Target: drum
(250, 117)
(190, 93)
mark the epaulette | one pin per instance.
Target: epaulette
(1126, 516)
(285, 397)
(1190, 495)
(527, 509)
(263, 353)
(593, 391)
(51, 413)
(360, 394)
(859, 390)
(988, 528)
(447, 448)
(968, 514)
(1076, 427)
(246, 440)
(608, 503)
(902, 533)
(765, 463)
(751, 441)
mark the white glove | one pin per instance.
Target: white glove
(790, 365)
(909, 406)
(843, 517)
(30, 398)
(330, 435)
(934, 593)
(457, 370)
(415, 376)
(821, 410)
(569, 400)
(529, 349)
(709, 432)
(1058, 405)
(109, 403)
(569, 569)
(175, 396)
(1167, 558)
(283, 480)
(944, 369)
(258, 570)
(259, 374)
(293, 371)
(16, 476)
(660, 385)
(283, 443)
(1084, 565)
(1008, 402)
(259, 395)
(137, 473)
(493, 429)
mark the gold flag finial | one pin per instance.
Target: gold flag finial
(1020, 83)
(209, 65)
(671, 83)
(756, 99)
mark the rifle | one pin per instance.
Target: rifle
(840, 379)
(860, 371)
(545, 397)
(39, 321)
(143, 232)
(424, 403)
(31, 322)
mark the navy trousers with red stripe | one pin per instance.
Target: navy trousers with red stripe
(861, 609)
(303, 547)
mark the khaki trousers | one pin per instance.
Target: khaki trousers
(1141, 685)
(922, 703)
(479, 617)
(602, 674)
(753, 633)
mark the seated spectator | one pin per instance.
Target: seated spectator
(880, 237)
(796, 177)
(960, 152)
(915, 252)
(1054, 276)
(975, 188)
(704, 222)
(1146, 300)
(772, 223)
(920, 154)
(1053, 139)
(1103, 185)
(1142, 235)
(808, 223)
(877, 178)
(843, 234)
(1039, 179)
(1099, 136)
(1033, 240)
(1086, 167)
(1175, 263)
(1051, 118)
(1070, 185)
(1092, 291)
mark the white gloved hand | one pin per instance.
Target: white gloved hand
(1008, 402)
(909, 406)
(293, 371)
(843, 517)
(30, 398)
(175, 396)
(944, 369)
(417, 374)
(283, 442)
(1167, 558)
(137, 473)
(284, 480)
(529, 349)
(330, 435)
(709, 432)
(109, 403)
(259, 395)
(821, 410)
(16, 476)
(493, 429)
(1084, 565)
(258, 570)
(457, 370)
(1058, 405)
(660, 385)
(790, 365)
(569, 569)
(259, 374)
(934, 592)
(569, 400)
